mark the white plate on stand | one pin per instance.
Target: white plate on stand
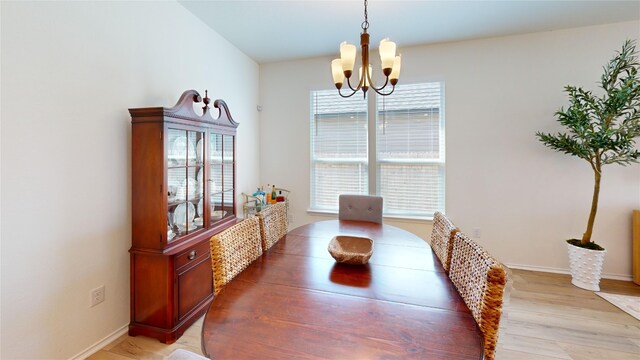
(183, 216)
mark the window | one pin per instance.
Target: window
(338, 148)
(410, 150)
(406, 150)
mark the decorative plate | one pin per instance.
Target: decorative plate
(215, 214)
(183, 216)
(218, 214)
(181, 148)
(201, 208)
(187, 189)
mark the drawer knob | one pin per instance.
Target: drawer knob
(192, 254)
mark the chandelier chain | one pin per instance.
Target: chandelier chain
(365, 23)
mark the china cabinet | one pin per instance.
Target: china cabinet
(183, 192)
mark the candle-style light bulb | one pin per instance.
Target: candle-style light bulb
(336, 70)
(395, 72)
(348, 56)
(387, 51)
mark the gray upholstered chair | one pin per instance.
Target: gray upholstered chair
(361, 208)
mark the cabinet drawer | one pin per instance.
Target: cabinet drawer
(193, 254)
(195, 285)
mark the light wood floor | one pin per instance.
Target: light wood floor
(545, 318)
(548, 318)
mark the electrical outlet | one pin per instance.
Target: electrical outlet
(97, 296)
(476, 233)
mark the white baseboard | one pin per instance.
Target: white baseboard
(102, 343)
(564, 271)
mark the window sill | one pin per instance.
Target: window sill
(403, 218)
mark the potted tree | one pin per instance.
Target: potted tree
(600, 130)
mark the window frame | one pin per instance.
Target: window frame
(358, 112)
(373, 163)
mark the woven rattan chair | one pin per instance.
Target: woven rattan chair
(506, 303)
(480, 280)
(442, 239)
(273, 224)
(233, 250)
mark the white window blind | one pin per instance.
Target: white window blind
(407, 150)
(338, 148)
(410, 150)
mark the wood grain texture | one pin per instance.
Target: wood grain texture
(295, 324)
(142, 347)
(167, 272)
(296, 302)
(417, 257)
(579, 327)
(549, 318)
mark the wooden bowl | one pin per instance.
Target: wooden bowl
(351, 249)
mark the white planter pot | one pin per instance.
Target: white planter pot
(586, 267)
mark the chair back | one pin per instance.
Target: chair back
(273, 224)
(504, 319)
(361, 208)
(442, 239)
(233, 250)
(480, 281)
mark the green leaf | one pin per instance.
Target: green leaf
(602, 130)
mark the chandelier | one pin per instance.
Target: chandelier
(343, 67)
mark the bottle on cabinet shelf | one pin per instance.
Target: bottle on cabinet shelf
(273, 195)
(267, 195)
(280, 198)
(259, 194)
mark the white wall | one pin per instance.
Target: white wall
(524, 198)
(70, 71)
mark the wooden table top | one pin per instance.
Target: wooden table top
(296, 302)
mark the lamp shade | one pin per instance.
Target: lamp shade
(395, 73)
(387, 51)
(336, 70)
(348, 56)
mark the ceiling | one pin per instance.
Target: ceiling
(270, 31)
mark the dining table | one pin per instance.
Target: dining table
(297, 302)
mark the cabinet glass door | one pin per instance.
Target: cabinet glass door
(221, 175)
(184, 182)
(227, 174)
(215, 177)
